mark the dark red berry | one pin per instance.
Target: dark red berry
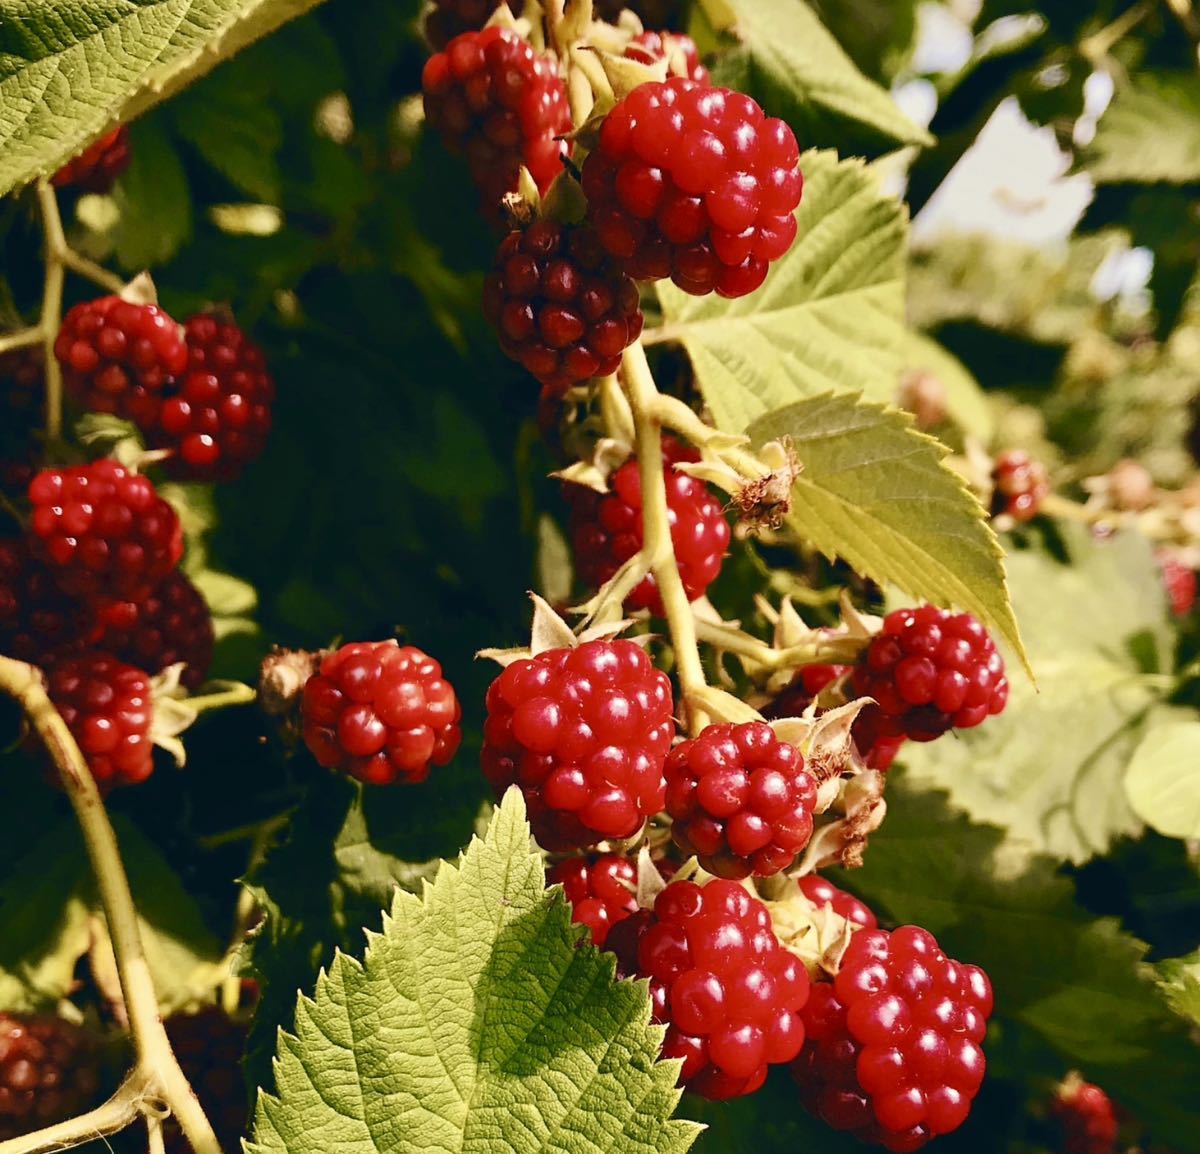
(694, 183)
(97, 166)
(216, 416)
(105, 532)
(606, 528)
(729, 994)
(170, 626)
(1020, 485)
(1179, 580)
(600, 888)
(38, 621)
(560, 309)
(108, 707)
(930, 671)
(49, 1071)
(584, 733)
(821, 893)
(740, 800)
(210, 1047)
(893, 1051)
(501, 105)
(117, 357)
(381, 712)
(22, 403)
(678, 49)
(1086, 1118)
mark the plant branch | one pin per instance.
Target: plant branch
(656, 528)
(234, 693)
(122, 1109)
(156, 1063)
(92, 271)
(21, 339)
(55, 245)
(822, 649)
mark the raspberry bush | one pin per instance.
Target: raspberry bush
(533, 611)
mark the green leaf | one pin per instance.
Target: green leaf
(154, 200)
(790, 60)
(1051, 767)
(1179, 982)
(878, 494)
(1163, 780)
(476, 1022)
(830, 315)
(67, 71)
(965, 400)
(1150, 134)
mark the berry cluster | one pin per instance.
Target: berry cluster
(210, 1047)
(48, 1073)
(600, 889)
(1019, 486)
(97, 167)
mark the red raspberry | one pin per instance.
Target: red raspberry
(97, 166)
(38, 621)
(217, 415)
(451, 18)
(210, 1047)
(560, 310)
(606, 528)
(1020, 485)
(729, 994)
(584, 733)
(893, 1051)
(740, 800)
(1179, 580)
(105, 532)
(117, 357)
(652, 46)
(600, 889)
(1086, 1118)
(108, 707)
(172, 625)
(49, 1071)
(821, 892)
(381, 712)
(930, 671)
(693, 183)
(501, 105)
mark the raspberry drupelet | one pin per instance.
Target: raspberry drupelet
(1086, 1118)
(49, 1071)
(1020, 485)
(97, 167)
(381, 712)
(694, 183)
(675, 47)
(584, 733)
(821, 892)
(600, 889)
(38, 621)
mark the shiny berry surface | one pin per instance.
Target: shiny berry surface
(49, 1071)
(97, 167)
(499, 104)
(821, 892)
(600, 888)
(930, 671)
(606, 529)
(1020, 485)
(1086, 1119)
(729, 994)
(893, 1051)
(679, 50)
(381, 712)
(558, 307)
(696, 184)
(118, 357)
(103, 531)
(108, 708)
(38, 621)
(583, 732)
(740, 800)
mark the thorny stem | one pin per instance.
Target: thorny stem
(157, 1067)
(656, 528)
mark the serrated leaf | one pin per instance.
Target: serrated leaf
(1150, 133)
(1179, 981)
(68, 71)
(830, 315)
(1051, 767)
(1163, 779)
(476, 1022)
(877, 493)
(787, 49)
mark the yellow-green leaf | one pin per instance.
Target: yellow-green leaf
(1163, 779)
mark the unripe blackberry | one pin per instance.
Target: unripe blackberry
(117, 356)
(729, 994)
(740, 800)
(930, 671)
(381, 712)
(97, 167)
(583, 732)
(48, 1073)
(606, 528)
(694, 183)
(559, 309)
(1020, 485)
(678, 49)
(38, 621)
(1086, 1118)
(601, 890)
(499, 104)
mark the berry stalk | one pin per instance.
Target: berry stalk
(55, 242)
(157, 1070)
(111, 1117)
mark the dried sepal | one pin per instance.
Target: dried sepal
(816, 934)
(860, 809)
(549, 631)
